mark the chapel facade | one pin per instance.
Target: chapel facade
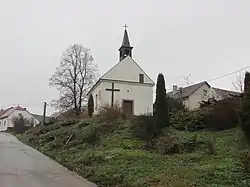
(125, 85)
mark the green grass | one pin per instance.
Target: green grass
(118, 159)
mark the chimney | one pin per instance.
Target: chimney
(175, 89)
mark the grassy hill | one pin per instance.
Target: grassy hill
(108, 155)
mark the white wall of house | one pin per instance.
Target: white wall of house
(202, 94)
(4, 124)
(7, 122)
(140, 94)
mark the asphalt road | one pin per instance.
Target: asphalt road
(22, 166)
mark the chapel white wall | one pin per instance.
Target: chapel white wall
(142, 95)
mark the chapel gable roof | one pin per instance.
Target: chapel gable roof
(117, 74)
(114, 74)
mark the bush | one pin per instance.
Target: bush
(245, 160)
(144, 127)
(110, 114)
(186, 120)
(21, 124)
(168, 145)
(90, 135)
(222, 114)
(107, 127)
(193, 144)
(173, 104)
(216, 116)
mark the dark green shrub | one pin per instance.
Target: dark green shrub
(21, 124)
(161, 107)
(186, 120)
(110, 114)
(173, 104)
(91, 135)
(107, 127)
(168, 145)
(144, 127)
(221, 115)
(208, 103)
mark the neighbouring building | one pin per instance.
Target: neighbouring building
(125, 85)
(7, 115)
(194, 94)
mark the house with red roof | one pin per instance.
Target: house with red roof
(7, 115)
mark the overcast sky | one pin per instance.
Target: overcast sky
(202, 39)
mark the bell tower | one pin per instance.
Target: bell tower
(125, 49)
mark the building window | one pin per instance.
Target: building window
(141, 78)
(4, 123)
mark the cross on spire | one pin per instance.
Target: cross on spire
(125, 26)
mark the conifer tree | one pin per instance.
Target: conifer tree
(245, 110)
(161, 106)
(90, 106)
(246, 81)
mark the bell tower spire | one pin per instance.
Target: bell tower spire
(125, 49)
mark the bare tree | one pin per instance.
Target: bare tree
(74, 77)
(239, 83)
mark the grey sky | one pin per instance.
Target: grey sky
(204, 38)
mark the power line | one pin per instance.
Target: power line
(231, 73)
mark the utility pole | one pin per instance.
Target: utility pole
(44, 112)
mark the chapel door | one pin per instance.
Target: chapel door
(127, 107)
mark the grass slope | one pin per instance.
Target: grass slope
(117, 159)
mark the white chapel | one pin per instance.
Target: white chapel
(125, 85)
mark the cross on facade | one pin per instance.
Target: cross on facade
(125, 26)
(112, 93)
